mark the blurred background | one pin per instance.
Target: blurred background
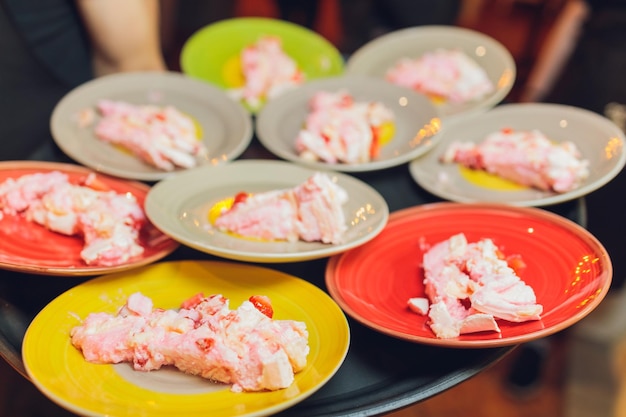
(520, 25)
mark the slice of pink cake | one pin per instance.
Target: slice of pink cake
(340, 129)
(525, 157)
(311, 212)
(161, 136)
(448, 74)
(244, 347)
(469, 286)
(267, 72)
(108, 222)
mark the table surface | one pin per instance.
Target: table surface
(380, 374)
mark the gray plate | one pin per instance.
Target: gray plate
(599, 140)
(226, 126)
(180, 207)
(416, 121)
(377, 56)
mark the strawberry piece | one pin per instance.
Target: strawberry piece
(263, 304)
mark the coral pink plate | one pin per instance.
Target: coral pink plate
(568, 268)
(29, 247)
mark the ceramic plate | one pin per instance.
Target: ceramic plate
(569, 270)
(416, 121)
(225, 126)
(28, 247)
(377, 56)
(180, 207)
(212, 53)
(599, 140)
(60, 371)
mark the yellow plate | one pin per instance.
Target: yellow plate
(59, 370)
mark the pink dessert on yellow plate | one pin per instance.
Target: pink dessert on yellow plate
(469, 286)
(340, 129)
(267, 71)
(162, 137)
(108, 222)
(244, 347)
(444, 74)
(311, 212)
(525, 157)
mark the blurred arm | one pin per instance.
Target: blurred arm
(124, 33)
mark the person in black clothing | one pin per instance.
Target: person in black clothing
(363, 21)
(302, 12)
(582, 59)
(48, 47)
(581, 64)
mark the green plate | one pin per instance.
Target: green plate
(212, 53)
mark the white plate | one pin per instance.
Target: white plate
(179, 206)
(599, 140)
(416, 121)
(377, 56)
(225, 125)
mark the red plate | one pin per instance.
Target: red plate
(568, 268)
(28, 247)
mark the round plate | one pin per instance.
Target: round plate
(105, 390)
(29, 247)
(180, 207)
(210, 52)
(569, 270)
(599, 140)
(416, 121)
(226, 127)
(377, 56)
